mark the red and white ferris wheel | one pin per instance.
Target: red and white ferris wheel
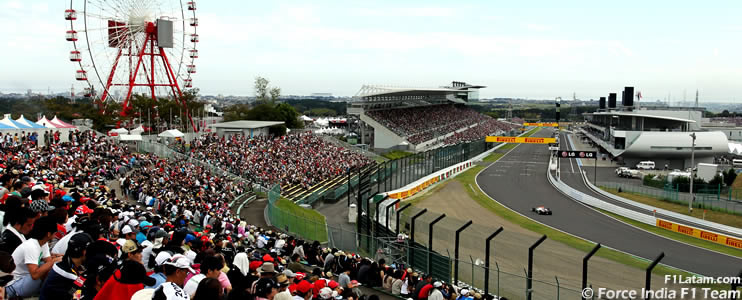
(126, 47)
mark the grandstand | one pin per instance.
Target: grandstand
(417, 119)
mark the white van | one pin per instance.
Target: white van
(645, 165)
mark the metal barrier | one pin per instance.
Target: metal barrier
(687, 219)
(295, 223)
(594, 202)
(714, 201)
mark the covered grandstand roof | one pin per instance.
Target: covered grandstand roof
(634, 114)
(378, 90)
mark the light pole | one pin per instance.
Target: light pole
(558, 101)
(692, 171)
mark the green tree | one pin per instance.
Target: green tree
(288, 114)
(716, 181)
(729, 177)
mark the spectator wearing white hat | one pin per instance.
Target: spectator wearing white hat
(159, 274)
(435, 292)
(176, 269)
(126, 234)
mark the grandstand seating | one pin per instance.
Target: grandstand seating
(421, 124)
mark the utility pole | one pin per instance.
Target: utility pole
(692, 171)
(559, 137)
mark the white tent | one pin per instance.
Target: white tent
(130, 137)
(137, 131)
(322, 122)
(119, 131)
(306, 119)
(45, 122)
(172, 133)
(7, 123)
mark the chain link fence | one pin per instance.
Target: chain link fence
(705, 198)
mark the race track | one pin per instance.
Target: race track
(518, 181)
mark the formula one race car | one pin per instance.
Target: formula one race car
(541, 210)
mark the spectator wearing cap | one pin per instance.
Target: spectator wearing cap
(266, 289)
(465, 295)
(132, 251)
(267, 270)
(303, 290)
(435, 293)
(283, 292)
(33, 260)
(210, 268)
(209, 289)
(176, 270)
(21, 222)
(325, 293)
(159, 272)
(409, 283)
(65, 279)
(127, 234)
(141, 236)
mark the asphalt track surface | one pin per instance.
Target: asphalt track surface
(518, 181)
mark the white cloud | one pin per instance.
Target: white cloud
(396, 12)
(539, 27)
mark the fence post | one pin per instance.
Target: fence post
(376, 215)
(584, 266)
(648, 275)
(472, 270)
(487, 264)
(349, 187)
(387, 213)
(529, 278)
(398, 212)
(497, 266)
(412, 236)
(456, 253)
(430, 241)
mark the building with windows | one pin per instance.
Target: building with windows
(659, 134)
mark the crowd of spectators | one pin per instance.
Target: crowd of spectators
(68, 235)
(295, 159)
(421, 124)
(481, 130)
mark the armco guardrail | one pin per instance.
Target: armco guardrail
(649, 209)
(597, 203)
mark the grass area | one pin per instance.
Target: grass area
(307, 223)
(396, 154)
(737, 184)
(532, 131)
(468, 178)
(678, 236)
(380, 159)
(711, 215)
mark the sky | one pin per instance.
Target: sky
(527, 49)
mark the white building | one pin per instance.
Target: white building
(660, 134)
